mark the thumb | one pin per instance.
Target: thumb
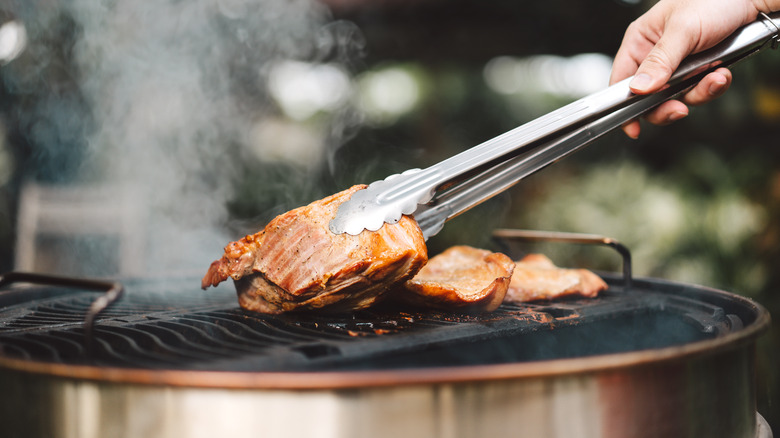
(659, 64)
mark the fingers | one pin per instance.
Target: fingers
(633, 49)
(631, 129)
(710, 87)
(656, 43)
(662, 60)
(668, 112)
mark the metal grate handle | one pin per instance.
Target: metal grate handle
(557, 236)
(112, 291)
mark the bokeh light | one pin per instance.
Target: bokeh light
(303, 89)
(13, 40)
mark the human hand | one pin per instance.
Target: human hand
(656, 43)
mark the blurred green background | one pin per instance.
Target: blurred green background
(300, 99)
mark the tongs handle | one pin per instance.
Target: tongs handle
(496, 179)
(475, 175)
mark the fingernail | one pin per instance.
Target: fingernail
(716, 88)
(631, 129)
(640, 82)
(675, 116)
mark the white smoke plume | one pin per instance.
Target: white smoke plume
(176, 88)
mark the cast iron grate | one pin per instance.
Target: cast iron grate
(173, 325)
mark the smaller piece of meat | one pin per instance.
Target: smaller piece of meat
(536, 278)
(461, 278)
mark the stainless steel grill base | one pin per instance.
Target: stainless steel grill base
(598, 405)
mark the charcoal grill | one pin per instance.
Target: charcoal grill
(648, 358)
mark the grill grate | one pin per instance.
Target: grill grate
(172, 325)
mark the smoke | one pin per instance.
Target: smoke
(175, 89)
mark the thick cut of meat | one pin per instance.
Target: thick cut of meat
(537, 278)
(461, 278)
(297, 263)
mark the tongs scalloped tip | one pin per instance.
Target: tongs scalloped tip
(365, 210)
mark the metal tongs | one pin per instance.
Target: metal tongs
(447, 189)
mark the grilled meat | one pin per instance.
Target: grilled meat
(461, 278)
(536, 278)
(297, 263)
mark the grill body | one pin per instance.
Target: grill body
(711, 395)
(553, 370)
